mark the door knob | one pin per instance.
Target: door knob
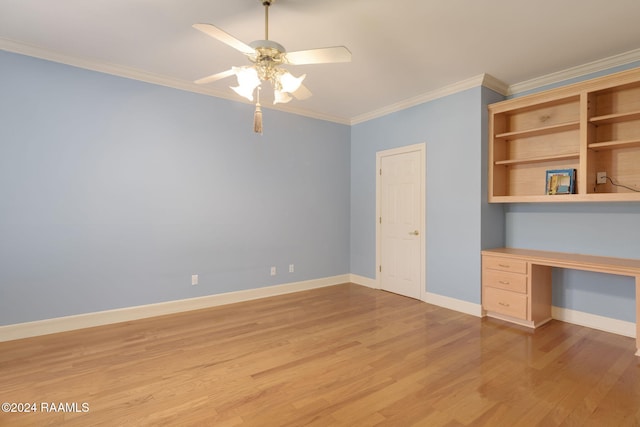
(414, 233)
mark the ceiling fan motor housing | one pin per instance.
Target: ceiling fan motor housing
(268, 45)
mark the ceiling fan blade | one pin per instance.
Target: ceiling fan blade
(224, 37)
(322, 55)
(214, 77)
(302, 93)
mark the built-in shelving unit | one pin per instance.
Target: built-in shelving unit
(592, 126)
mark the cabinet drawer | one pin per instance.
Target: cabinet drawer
(504, 280)
(505, 264)
(505, 302)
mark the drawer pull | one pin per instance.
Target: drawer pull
(502, 282)
(504, 304)
(504, 265)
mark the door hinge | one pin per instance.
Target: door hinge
(380, 269)
(380, 220)
(380, 171)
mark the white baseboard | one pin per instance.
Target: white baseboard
(607, 324)
(435, 299)
(453, 304)
(601, 323)
(364, 281)
(69, 323)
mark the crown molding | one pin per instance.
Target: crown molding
(502, 88)
(485, 80)
(573, 72)
(495, 85)
(429, 96)
(157, 79)
(143, 76)
(105, 67)
(311, 114)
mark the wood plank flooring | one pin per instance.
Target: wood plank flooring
(344, 355)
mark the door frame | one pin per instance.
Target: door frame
(422, 149)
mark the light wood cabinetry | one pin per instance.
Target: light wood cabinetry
(515, 290)
(592, 126)
(516, 283)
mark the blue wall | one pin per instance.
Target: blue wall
(113, 192)
(460, 222)
(453, 129)
(606, 229)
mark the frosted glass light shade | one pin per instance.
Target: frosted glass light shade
(248, 80)
(289, 82)
(281, 97)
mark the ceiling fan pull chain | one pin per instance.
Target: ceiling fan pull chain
(257, 116)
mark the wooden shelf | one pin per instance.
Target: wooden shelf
(569, 198)
(540, 159)
(546, 130)
(536, 199)
(610, 145)
(615, 118)
(591, 126)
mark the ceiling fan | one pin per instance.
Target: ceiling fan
(267, 58)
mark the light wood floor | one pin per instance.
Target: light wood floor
(338, 356)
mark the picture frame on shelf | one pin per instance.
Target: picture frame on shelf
(560, 181)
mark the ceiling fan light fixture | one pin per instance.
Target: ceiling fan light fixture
(281, 97)
(243, 92)
(248, 81)
(289, 83)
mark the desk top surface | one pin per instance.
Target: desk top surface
(612, 265)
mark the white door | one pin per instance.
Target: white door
(401, 260)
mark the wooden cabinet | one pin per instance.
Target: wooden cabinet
(592, 126)
(516, 290)
(516, 283)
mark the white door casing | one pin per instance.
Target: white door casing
(400, 233)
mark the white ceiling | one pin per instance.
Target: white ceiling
(401, 49)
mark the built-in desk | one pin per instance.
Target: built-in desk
(516, 283)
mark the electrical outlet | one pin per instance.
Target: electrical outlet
(601, 178)
(273, 271)
(291, 269)
(194, 279)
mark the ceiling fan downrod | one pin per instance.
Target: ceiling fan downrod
(266, 4)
